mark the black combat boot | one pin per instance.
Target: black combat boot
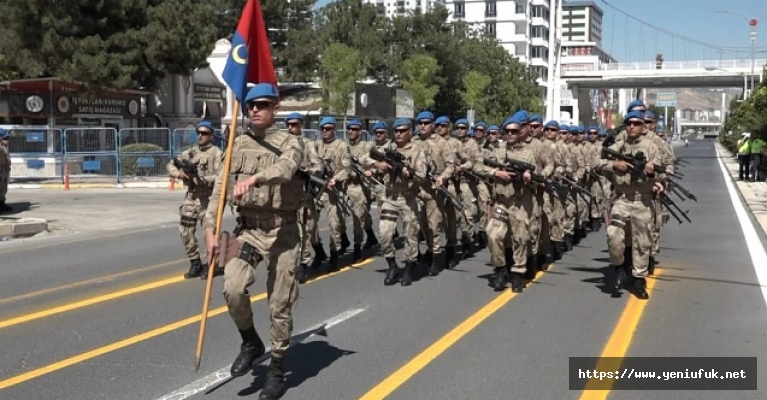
(421, 238)
(651, 266)
(569, 242)
(301, 273)
(344, 243)
(450, 257)
(195, 269)
(532, 267)
(620, 278)
(466, 247)
(274, 387)
(371, 240)
(481, 239)
(556, 251)
(319, 256)
(396, 234)
(393, 273)
(406, 278)
(427, 257)
(333, 261)
(517, 283)
(217, 271)
(251, 349)
(583, 233)
(640, 288)
(357, 252)
(500, 279)
(5, 208)
(434, 268)
(596, 224)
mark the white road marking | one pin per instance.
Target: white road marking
(755, 248)
(223, 374)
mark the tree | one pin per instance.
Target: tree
(749, 115)
(119, 44)
(340, 72)
(418, 80)
(5, 70)
(474, 93)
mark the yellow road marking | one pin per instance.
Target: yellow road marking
(99, 279)
(618, 343)
(407, 371)
(68, 362)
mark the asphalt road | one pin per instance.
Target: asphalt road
(111, 317)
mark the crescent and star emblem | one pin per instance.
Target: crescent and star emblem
(236, 56)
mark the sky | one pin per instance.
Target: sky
(681, 30)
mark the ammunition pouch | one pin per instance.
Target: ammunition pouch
(249, 254)
(228, 248)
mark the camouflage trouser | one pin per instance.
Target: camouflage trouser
(467, 223)
(3, 188)
(192, 212)
(597, 190)
(571, 211)
(405, 208)
(482, 195)
(539, 226)
(279, 248)
(431, 219)
(657, 211)
(309, 216)
(336, 221)
(360, 199)
(631, 223)
(452, 217)
(556, 216)
(511, 220)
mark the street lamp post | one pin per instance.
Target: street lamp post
(752, 22)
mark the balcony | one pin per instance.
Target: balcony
(541, 3)
(539, 21)
(518, 17)
(539, 62)
(538, 41)
(490, 14)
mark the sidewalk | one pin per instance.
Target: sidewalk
(98, 185)
(754, 193)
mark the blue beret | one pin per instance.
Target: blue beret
(635, 103)
(520, 117)
(493, 128)
(603, 133)
(294, 116)
(425, 115)
(593, 128)
(564, 127)
(262, 91)
(480, 124)
(461, 121)
(508, 121)
(327, 121)
(581, 128)
(649, 115)
(634, 115)
(402, 122)
(573, 128)
(353, 122)
(379, 125)
(4, 133)
(552, 124)
(442, 120)
(536, 118)
(205, 124)
(471, 132)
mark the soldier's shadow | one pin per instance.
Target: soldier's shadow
(604, 282)
(303, 361)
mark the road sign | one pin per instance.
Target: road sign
(665, 100)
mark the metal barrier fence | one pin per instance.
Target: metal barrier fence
(105, 154)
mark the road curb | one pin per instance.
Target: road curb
(126, 185)
(23, 227)
(753, 209)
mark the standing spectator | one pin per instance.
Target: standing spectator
(744, 156)
(5, 169)
(757, 144)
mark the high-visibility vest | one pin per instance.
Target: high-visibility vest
(744, 146)
(757, 145)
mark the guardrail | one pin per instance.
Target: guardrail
(105, 155)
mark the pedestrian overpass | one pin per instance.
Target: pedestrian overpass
(674, 74)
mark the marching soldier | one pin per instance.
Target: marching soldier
(268, 193)
(554, 203)
(539, 227)
(584, 206)
(442, 165)
(337, 162)
(468, 171)
(381, 141)
(579, 173)
(206, 159)
(480, 190)
(308, 213)
(569, 201)
(594, 179)
(668, 159)
(359, 192)
(513, 207)
(400, 201)
(452, 218)
(5, 169)
(629, 237)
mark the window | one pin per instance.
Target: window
(520, 9)
(459, 10)
(490, 28)
(490, 9)
(540, 12)
(539, 52)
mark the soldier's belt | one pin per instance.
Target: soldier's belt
(635, 196)
(267, 223)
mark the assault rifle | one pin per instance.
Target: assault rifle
(519, 168)
(572, 184)
(638, 161)
(671, 206)
(189, 169)
(397, 161)
(345, 208)
(361, 172)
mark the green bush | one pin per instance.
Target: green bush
(129, 162)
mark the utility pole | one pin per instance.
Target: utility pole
(752, 22)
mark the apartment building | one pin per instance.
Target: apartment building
(582, 22)
(521, 26)
(393, 8)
